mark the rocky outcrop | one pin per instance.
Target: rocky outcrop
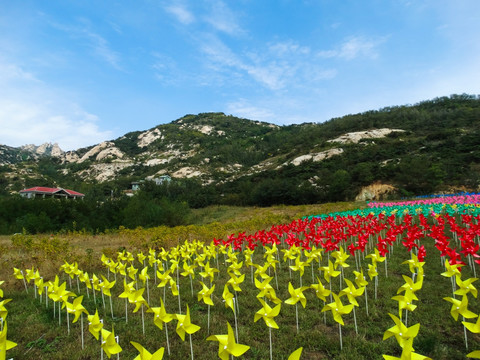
(355, 137)
(46, 149)
(187, 172)
(104, 150)
(148, 137)
(315, 156)
(375, 191)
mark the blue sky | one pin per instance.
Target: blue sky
(81, 72)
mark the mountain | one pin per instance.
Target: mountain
(428, 147)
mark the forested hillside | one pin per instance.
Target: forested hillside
(213, 158)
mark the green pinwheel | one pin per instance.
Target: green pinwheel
(227, 345)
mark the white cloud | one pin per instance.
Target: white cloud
(243, 108)
(354, 47)
(223, 19)
(96, 42)
(283, 64)
(33, 113)
(181, 13)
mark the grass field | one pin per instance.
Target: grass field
(41, 335)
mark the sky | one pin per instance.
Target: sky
(79, 72)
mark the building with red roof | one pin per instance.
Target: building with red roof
(46, 192)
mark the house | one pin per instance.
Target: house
(46, 192)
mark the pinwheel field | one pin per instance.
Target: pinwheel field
(390, 280)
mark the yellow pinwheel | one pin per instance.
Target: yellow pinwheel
(109, 343)
(360, 278)
(141, 258)
(18, 274)
(352, 292)
(320, 290)
(235, 281)
(266, 290)
(188, 270)
(410, 285)
(340, 257)
(227, 345)
(4, 343)
(473, 327)
(296, 295)
(1, 291)
(329, 271)
(3, 309)
(407, 353)
(205, 294)
(405, 302)
(94, 324)
(296, 354)
(121, 268)
(184, 325)
(234, 268)
(452, 270)
(466, 286)
(137, 299)
(267, 314)
(338, 309)
(76, 308)
(145, 354)
(376, 257)
(372, 271)
(413, 263)
(459, 307)
(209, 272)
(299, 266)
(262, 270)
(106, 286)
(228, 298)
(132, 272)
(164, 278)
(401, 332)
(160, 315)
(144, 275)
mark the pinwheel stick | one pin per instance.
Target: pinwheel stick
(296, 315)
(168, 343)
(68, 323)
(143, 322)
(270, 332)
(366, 300)
(81, 322)
(111, 306)
(340, 333)
(235, 316)
(179, 303)
(24, 282)
(355, 320)
(208, 321)
(191, 346)
(465, 333)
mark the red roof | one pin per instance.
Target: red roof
(47, 190)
